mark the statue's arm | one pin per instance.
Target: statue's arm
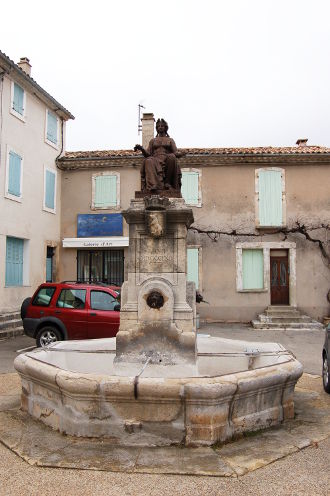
(175, 150)
(140, 148)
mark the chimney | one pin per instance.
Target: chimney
(148, 124)
(302, 141)
(24, 64)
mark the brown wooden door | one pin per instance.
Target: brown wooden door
(279, 280)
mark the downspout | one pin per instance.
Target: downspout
(62, 145)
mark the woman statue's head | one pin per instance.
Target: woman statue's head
(162, 126)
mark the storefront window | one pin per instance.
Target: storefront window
(101, 266)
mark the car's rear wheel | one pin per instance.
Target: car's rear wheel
(48, 335)
(24, 307)
(326, 374)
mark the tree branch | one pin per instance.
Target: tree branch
(297, 228)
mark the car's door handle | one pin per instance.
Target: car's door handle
(57, 311)
(92, 313)
(42, 313)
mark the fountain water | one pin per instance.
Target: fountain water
(157, 382)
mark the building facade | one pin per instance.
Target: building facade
(256, 212)
(32, 136)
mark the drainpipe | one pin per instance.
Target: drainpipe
(62, 145)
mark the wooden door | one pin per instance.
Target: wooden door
(279, 279)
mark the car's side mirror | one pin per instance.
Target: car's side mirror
(117, 308)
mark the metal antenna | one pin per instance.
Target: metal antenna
(139, 118)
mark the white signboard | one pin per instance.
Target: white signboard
(110, 242)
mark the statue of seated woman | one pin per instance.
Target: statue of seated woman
(160, 170)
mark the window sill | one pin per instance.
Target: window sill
(17, 115)
(198, 205)
(20, 286)
(264, 290)
(116, 207)
(49, 210)
(17, 199)
(50, 143)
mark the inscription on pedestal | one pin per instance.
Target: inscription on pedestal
(155, 255)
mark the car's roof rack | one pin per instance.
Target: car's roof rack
(94, 283)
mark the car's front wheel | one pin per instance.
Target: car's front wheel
(48, 335)
(326, 374)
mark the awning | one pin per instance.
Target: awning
(108, 242)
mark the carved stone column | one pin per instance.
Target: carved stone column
(157, 319)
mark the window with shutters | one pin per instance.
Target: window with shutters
(18, 99)
(51, 128)
(14, 175)
(14, 261)
(270, 197)
(50, 190)
(106, 190)
(193, 266)
(191, 187)
(250, 267)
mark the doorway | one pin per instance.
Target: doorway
(279, 277)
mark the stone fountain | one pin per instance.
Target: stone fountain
(159, 383)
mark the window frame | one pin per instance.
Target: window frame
(200, 272)
(106, 207)
(26, 262)
(266, 246)
(71, 307)
(47, 209)
(21, 117)
(256, 196)
(9, 195)
(116, 302)
(49, 142)
(199, 172)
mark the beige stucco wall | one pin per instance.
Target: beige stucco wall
(228, 203)
(77, 199)
(27, 219)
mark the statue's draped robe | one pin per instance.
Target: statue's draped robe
(160, 169)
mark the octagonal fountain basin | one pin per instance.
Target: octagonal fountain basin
(235, 386)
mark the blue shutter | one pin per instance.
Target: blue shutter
(14, 261)
(189, 188)
(253, 269)
(105, 191)
(192, 266)
(14, 173)
(49, 269)
(270, 198)
(50, 190)
(51, 127)
(18, 99)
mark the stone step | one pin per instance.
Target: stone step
(4, 317)
(282, 312)
(9, 324)
(257, 324)
(287, 318)
(10, 333)
(281, 308)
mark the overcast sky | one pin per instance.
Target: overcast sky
(221, 72)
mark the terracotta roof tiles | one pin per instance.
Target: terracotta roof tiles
(251, 151)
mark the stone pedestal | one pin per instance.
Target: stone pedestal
(158, 313)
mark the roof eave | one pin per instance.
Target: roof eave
(9, 66)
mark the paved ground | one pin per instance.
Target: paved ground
(304, 472)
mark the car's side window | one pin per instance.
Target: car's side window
(43, 297)
(100, 300)
(72, 298)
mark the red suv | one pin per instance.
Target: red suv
(71, 310)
